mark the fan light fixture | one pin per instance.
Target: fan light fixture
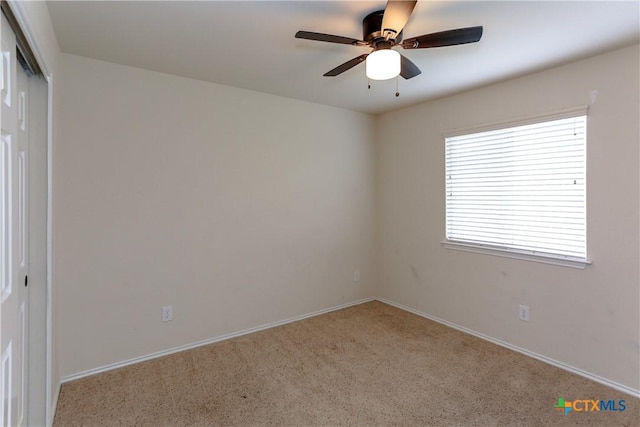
(383, 64)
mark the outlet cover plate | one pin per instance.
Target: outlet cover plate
(523, 313)
(167, 313)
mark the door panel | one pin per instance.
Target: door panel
(14, 305)
(9, 303)
(23, 244)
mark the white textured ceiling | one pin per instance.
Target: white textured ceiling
(251, 44)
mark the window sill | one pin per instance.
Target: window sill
(515, 254)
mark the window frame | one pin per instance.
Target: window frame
(528, 255)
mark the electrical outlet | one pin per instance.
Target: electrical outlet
(167, 313)
(523, 313)
(356, 276)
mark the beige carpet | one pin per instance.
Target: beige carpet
(368, 365)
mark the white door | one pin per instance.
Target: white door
(13, 234)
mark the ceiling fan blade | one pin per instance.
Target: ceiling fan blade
(328, 38)
(346, 66)
(408, 69)
(396, 15)
(444, 38)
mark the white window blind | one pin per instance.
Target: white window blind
(520, 189)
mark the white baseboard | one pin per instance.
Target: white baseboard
(561, 365)
(206, 342)
(54, 404)
(593, 377)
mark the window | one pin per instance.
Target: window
(520, 190)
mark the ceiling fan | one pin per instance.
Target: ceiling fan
(382, 31)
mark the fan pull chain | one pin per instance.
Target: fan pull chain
(397, 87)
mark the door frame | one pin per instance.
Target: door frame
(51, 390)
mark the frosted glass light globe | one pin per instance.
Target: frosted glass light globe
(383, 64)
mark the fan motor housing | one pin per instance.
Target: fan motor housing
(372, 28)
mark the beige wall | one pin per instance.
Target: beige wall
(588, 319)
(238, 208)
